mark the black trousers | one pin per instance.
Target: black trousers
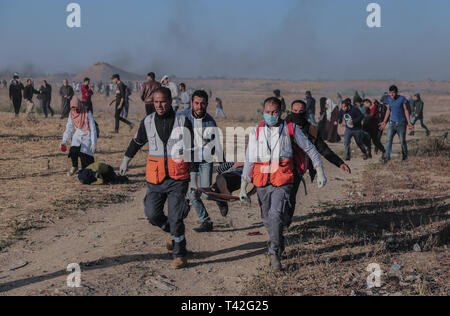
(45, 104)
(150, 108)
(174, 192)
(88, 105)
(17, 103)
(75, 153)
(120, 119)
(374, 136)
(65, 108)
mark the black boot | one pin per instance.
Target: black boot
(223, 207)
(204, 227)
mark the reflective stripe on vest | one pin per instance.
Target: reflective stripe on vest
(166, 161)
(273, 166)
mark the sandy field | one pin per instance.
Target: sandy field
(377, 214)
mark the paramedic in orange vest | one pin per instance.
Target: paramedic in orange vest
(169, 136)
(269, 165)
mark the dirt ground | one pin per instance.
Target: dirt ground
(48, 220)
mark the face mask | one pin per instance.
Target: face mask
(271, 120)
(300, 118)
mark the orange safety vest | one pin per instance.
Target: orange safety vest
(280, 172)
(166, 161)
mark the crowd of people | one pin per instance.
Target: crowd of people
(285, 147)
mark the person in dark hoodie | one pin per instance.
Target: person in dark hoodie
(45, 98)
(66, 93)
(417, 110)
(28, 92)
(15, 93)
(299, 116)
(351, 117)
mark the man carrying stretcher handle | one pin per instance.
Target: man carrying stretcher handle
(270, 165)
(170, 138)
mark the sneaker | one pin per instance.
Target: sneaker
(132, 126)
(169, 244)
(223, 207)
(204, 227)
(72, 171)
(411, 134)
(428, 133)
(365, 156)
(275, 263)
(179, 263)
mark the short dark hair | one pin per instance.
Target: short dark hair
(86, 79)
(367, 100)
(277, 92)
(393, 88)
(165, 91)
(348, 101)
(358, 100)
(308, 93)
(298, 101)
(200, 94)
(116, 76)
(273, 100)
(151, 75)
(183, 85)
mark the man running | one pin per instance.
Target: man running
(351, 117)
(269, 165)
(205, 131)
(397, 111)
(299, 117)
(169, 136)
(121, 91)
(417, 115)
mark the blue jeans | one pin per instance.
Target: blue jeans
(414, 121)
(205, 171)
(312, 119)
(357, 135)
(220, 111)
(400, 129)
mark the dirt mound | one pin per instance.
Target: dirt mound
(103, 71)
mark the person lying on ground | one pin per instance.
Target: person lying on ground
(100, 173)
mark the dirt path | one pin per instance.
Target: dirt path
(121, 252)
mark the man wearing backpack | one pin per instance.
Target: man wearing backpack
(270, 166)
(299, 116)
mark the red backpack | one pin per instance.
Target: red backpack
(300, 159)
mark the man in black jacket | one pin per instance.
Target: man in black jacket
(28, 92)
(15, 93)
(169, 163)
(66, 93)
(417, 114)
(299, 116)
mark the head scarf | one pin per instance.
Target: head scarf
(80, 120)
(331, 107)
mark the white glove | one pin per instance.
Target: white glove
(124, 166)
(93, 147)
(193, 184)
(321, 179)
(243, 194)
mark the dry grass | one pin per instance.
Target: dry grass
(34, 188)
(403, 204)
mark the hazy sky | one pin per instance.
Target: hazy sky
(283, 39)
